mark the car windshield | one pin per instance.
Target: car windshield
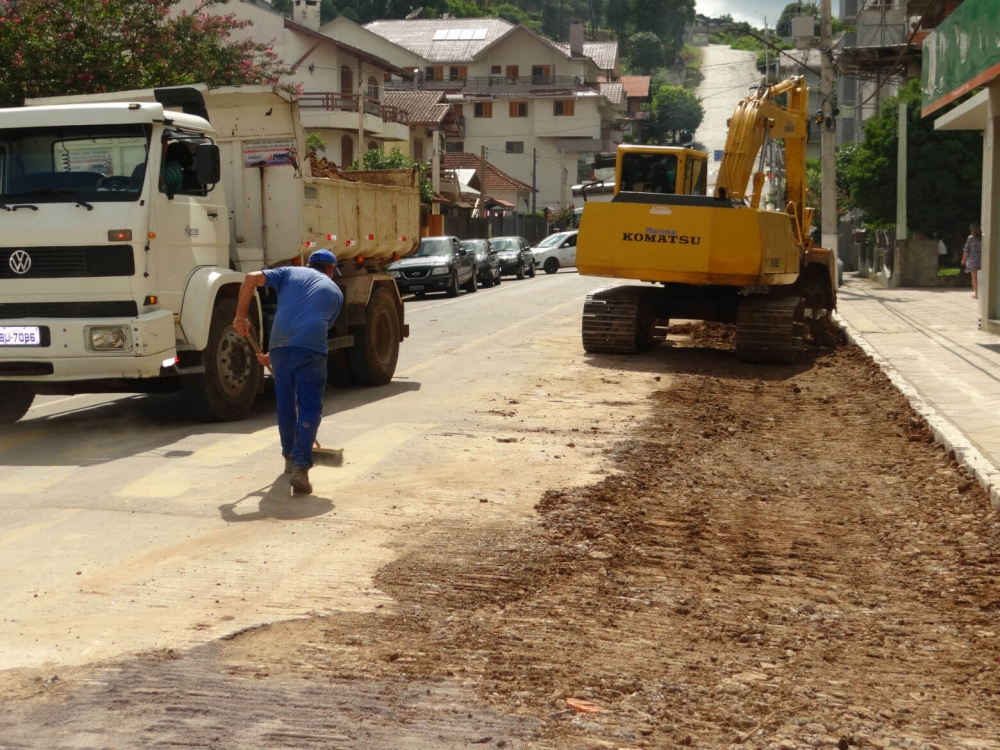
(475, 246)
(552, 240)
(506, 245)
(439, 246)
(94, 163)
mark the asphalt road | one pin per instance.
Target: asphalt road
(124, 527)
(727, 74)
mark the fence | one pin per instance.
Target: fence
(533, 228)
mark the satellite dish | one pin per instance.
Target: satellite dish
(414, 13)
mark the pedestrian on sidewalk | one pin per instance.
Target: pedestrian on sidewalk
(308, 303)
(972, 256)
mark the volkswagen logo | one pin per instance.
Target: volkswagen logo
(20, 262)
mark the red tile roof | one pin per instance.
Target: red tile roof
(636, 87)
(496, 180)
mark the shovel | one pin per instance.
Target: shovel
(321, 456)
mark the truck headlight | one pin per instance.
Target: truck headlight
(441, 271)
(108, 338)
(395, 274)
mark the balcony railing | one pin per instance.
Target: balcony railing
(487, 82)
(334, 101)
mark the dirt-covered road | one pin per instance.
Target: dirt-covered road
(776, 558)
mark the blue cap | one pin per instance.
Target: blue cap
(322, 256)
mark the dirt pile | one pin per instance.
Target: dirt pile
(784, 559)
(321, 167)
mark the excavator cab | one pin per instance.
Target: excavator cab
(663, 170)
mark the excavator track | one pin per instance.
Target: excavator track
(768, 330)
(611, 321)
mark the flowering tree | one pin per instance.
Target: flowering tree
(55, 47)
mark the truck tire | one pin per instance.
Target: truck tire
(376, 344)
(551, 265)
(227, 390)
(452, 290)
(472, 285)
(15, 400)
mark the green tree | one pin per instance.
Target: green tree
(378, 159)
(645, 53)
(944, 171)
(675, 109)
(54, 47)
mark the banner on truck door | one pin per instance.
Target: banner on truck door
(277, 153)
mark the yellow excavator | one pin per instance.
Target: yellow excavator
(714, 257)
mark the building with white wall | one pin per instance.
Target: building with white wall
(537, 107)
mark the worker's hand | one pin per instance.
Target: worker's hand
(264, 359)
(242, 326)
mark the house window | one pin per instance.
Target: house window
(454, 147)
(513, 71)
(434, 73)
(484, 109)
(458, 109)
(563, 107)
(539, 73)
(458, 73)
(495, 70)
(515, 147)
(518, 109)
(372, 89)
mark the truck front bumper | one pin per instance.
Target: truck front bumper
(68, 349)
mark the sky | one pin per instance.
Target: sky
(751, 11)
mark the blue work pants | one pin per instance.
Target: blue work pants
(299, 383)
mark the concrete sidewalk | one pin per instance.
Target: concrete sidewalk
(930, 337)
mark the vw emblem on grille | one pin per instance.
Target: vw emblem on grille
(20, 262)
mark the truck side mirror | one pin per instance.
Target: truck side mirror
(207, 164)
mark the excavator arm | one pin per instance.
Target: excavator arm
(758, 118)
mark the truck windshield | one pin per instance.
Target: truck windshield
(88, 163)
(649, 173)
(436, 247)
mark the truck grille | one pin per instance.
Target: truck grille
(15, 310)
(417, 273)
(66, 262)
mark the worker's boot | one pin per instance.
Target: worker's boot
(289, 466)
(300, 481)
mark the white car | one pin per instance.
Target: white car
(556, 251)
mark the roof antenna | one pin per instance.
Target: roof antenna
(414, 13)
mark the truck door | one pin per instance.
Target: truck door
(189, 220)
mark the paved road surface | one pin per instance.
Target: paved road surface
(728, 73)
(124, 527)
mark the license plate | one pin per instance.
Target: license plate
(20, 336)
(417, 288)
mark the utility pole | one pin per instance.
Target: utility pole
(829, 144)
(482, 182)
(767, 54)
(534, 171)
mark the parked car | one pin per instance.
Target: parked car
(487, 262)
(441, 264)
(556, 251)
(515, 256)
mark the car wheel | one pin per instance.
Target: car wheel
(472, 285)
(452, 290)
(531, 269)
(488, 281)
(551, 265)
(520, 270)
(499, 278)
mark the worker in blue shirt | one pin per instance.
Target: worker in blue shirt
(308, 303)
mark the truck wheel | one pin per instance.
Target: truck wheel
(452, 290)
(376, 344)
(227, 390)
(472, 285)
(551, 265)
(15, 400)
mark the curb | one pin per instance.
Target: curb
(953, 439)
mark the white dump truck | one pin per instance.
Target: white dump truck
(128, 221)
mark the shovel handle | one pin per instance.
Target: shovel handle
(256, 348)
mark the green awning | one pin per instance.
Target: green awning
(961, 54)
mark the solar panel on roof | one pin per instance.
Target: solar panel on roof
(440, 35)
(479, 34)
(454, 35)
(467, 34)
